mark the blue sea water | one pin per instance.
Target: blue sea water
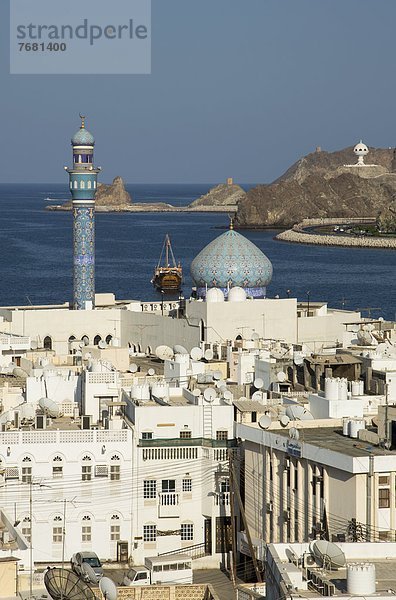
(36, 252)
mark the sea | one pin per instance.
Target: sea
(36, 252)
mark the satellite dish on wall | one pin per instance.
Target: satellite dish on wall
(284, 420)
(217, 374)
(281, 376)
(258, 383)
(151, 372)
(62, 583)
(255, 336)
(258, 396)
(296, 412)
(179, 349)
(133, 368)
(210, 394)
(294, 433)
(34, 345)
(108, 588)
(208, 354)
(227, 395)
(164, 353)
(49, 407)
(264, 422)
(242, 398)
(298, 359)
(328, 554)
(196, 353)
(102, 345)
(196, 392)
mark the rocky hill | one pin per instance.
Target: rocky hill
(225, 194)
(320, 185)
(109, 197)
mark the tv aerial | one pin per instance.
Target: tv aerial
(62, 583)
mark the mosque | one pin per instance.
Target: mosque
(231, 276)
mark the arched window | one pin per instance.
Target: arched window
(86, 469)
(97, 339)
(86, 529)
(85, 339)
(115, 528)
(115, 468)
(108, 339)
(47, 342)
(57, 467)
(57, 530)
(148, 350)
(26, 470)
(89, 184)
(75, 185)
(94, 185)
(82, 185)
(72, 338)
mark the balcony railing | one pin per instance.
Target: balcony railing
(168, 504)
(223, 499)
(175, 442)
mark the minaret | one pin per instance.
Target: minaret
(83, 178)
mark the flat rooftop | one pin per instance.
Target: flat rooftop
(332, 439)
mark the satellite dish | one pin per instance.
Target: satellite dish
(18, 372)
(151, 372)
(179, 349)
(50, 407)
(34, 345)
(294, 433)
(255, 336)
(164, 353)
(217, 374)
(209, 394)
(258, 383)
(108, 588)
(88, 355)
(296, 412)
(133, 368)
(284, 420)
(88, 573)
(227, 395)
(281, 376)
(298, 359)
(208, 354)
(102, 345)
(223, 388)
(220, 384)
(242, 398)
(196, 392)
(258, 396)
(196, 353)
(81, 344)
(62, 583)
(264, 421)
(328, 554)
(85, 340)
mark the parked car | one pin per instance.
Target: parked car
(176, 569)
(81, 561)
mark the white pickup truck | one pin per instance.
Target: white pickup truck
(176, 568)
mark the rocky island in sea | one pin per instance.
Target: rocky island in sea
(227, 195)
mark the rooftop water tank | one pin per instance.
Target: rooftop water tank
(140, 391)
(355, 388)
(354, 427)
(361, 579)
(342, 389)
(331, 388)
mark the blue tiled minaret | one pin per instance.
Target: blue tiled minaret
(83, 181)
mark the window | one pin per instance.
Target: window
(97, 339)
(115, 529)
(254, 416)
(168, 485)
(89, 185)
(187, 532)
(57, 531)
(149, 488)
(82, 185)
(147, 435)
(57, 467)
(86, 469)
(26, 470)
(185, 434)
(86, 530)
(47, 343)
(115, 468)
(187, 484)
(221, 434)
(12, 473)
(27, 528)
(224, 486)
(383, 480)
(149, 533)
(383, 498)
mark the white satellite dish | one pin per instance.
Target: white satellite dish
(18, 372)
(102, 345)
(151, 372)
(281, 376)
(298, 358)
(179, 349)
(296, 412)
(220, 384)
(223, 388)
(12, 365)
(216, 374)
(196, 353)
(88, 573)
(208, 354)
(196, 392)
(294, 433)
(265, 421)
(85, 340)
(284, 420)
(227, 395)
(50, 407)
(108, 588)
(133, 368)
(81, 344)
(209, 394)
(328, 554)
(255, 336)
(258, 396)
(34, 345)
(258, 383)
(164, 353)
(242, 398)
(88, 355)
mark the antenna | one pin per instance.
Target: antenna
(164, 353)
(66, 585)
(209, 394)
(196, 353)
(108, 588)
(329, 555)
(265, 421)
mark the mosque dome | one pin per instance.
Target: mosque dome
(83, 137)
(231, 260)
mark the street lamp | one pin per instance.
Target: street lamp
(288, 292)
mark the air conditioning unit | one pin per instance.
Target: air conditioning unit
(40, 422)
(269, 507)
(308, 560)
(86, 421)
(286, 515)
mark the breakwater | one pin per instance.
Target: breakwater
(299, 235)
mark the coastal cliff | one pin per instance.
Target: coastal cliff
(320, 185)
(223, 195)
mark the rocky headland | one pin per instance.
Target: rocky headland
(225, 195)
(320, 185)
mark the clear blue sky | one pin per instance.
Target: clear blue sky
(238, 88)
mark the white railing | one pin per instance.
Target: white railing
(74, 436)
(169, 499)
(223, 499)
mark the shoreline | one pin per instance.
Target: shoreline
(140, 208)
(299, 235)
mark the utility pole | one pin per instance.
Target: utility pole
(31, 537)
(63, 542)
(233, 529)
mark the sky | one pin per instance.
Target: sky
(238, 88)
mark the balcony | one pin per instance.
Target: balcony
(168, 504)
(177, 442)
(223, 499)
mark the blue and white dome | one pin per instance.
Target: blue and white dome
(83, 137)
(231, 260)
